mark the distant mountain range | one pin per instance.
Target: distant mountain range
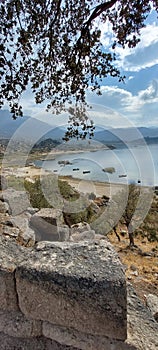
(28, 128)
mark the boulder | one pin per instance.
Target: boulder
(3, 183)
(4, 207)
(80, 227)
(18, 201)
(83, 236)
(152, 303)
(79, 286)
(45, 224)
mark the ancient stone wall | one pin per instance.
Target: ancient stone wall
(68, 294)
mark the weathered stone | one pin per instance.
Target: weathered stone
(18, 201)
(75, 280)
(40, 343)
(82, 340)
(10, 256)
(63, 232)
(86, 235)
(11, 231)
(142, 328)
(152, 303)
(45, 224)
(80, 227)
(32, 211)
(27, 238)
(4, 207)
(8, 295)
(3, 182)
(15, 324)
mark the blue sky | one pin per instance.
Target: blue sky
(134, 102)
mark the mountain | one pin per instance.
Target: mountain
(27, 128)
(125, 135)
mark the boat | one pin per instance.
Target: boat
(123, 175)
(86, 171)
(75, 169)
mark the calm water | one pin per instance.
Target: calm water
(137, 163)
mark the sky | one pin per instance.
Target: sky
(132, 103)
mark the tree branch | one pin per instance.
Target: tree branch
(96, 13)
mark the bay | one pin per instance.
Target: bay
(137, 164)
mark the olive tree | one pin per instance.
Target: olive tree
(54, 46)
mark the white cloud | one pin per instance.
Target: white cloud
(141, 108)
(144, 55)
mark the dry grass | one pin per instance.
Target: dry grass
(141, 263)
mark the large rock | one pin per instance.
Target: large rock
(10, 256)
(18, 201)
(15, 324)
(142, 328)
(80, 227)
(3, 183)
(45, 224)
(80, 286)
(83, 236)
(4, 207)
(152, 303)
(36, 343)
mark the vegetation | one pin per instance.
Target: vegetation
(49, 192)
(55, 48)
(140, 220)
(45, 145)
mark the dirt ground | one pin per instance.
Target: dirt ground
(141, 263)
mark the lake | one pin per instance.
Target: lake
(137, 164)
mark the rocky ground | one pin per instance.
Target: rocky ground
(141, 264)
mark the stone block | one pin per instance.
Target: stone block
(39, 343)
(15, 324)
(3, 182)
(63, 232)
(80, 286)
(8, 295)
(18, 201)
(4, 207)
(86, 235)
(45, 223)
(152, 303)
(82, 340)
(10, 256)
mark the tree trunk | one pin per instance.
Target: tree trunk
(130, 234)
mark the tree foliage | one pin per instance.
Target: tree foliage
(54, 46)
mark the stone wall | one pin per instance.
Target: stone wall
(62, 296)
(65, 295)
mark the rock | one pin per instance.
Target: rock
(142, 328)
(18, 201)
(80, 227)
(11, 231)
(152, 303)
(64, 233)
(32, 211)
(36, 343)
(133, 268)
(75, 285)
(109, 170)
(82, 340)
(83, 236)
(15, 324)
(45, 224)
(26, 238)
(11, 255)
(4, 207)
(3, 183)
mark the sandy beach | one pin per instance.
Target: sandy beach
(81, 185)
